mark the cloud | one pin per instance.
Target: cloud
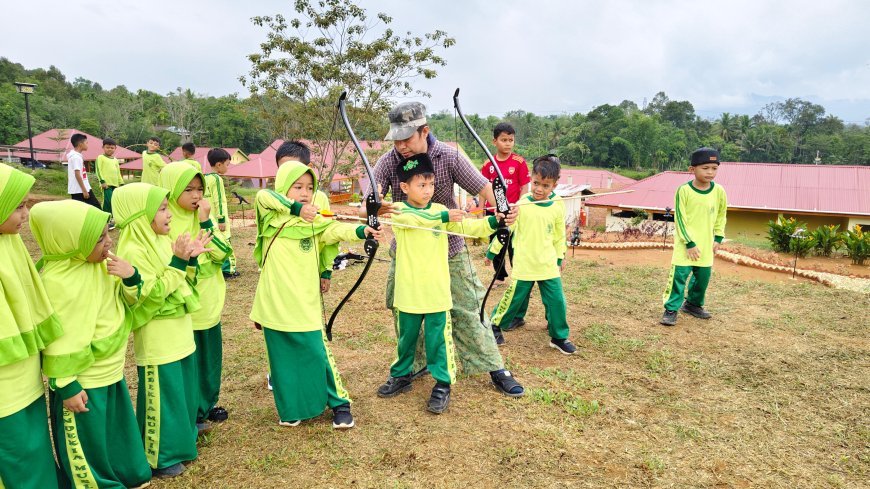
(545, 56)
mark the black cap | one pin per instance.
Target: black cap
(704, 155)
(415, 165)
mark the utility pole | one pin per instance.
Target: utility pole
(27, 89)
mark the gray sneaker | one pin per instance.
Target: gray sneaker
(168, 472)
(669, 318)
(696, 311)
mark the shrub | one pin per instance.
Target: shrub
(857, 244)
(779, 234)
(827, 239)
(640, 215)
(802, 246)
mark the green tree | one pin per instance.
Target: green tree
(333, 45)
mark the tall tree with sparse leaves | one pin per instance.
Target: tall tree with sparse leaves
(328, 46)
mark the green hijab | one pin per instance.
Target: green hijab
(134, 206)
(67, 231)
(175, 177)
(269, 221)
(27, 320)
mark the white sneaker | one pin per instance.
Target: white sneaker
(269, 381)
(289, 423)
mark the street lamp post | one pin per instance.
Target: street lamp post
(27, 89)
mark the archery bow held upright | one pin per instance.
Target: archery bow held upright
(499, 186)
(373, 206)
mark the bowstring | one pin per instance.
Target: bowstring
(316, 248)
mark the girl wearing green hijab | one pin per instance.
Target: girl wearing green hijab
(288, 305)
(163, 343)
(27, 325)
(192, 214)
(95, 429)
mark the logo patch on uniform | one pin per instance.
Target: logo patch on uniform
(305, 244)
(512, 170)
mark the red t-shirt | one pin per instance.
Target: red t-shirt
(515, 172)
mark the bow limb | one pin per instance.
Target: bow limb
(499, 189)
(373, 206)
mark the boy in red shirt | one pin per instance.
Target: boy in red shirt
(516, 175)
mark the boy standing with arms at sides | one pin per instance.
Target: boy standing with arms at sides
(27, 325)
(516, 176)
(700, 208)
(78, 186)
(94, 426)
(188, 150)
(539, 238)
(108, 173)
(288, 305)
(152, 162)
(216, 194)
(422, 296)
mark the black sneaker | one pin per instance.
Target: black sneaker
(564, 346)
(341, 417)
(395, 386)
(696, 311)
(440, 398)
(269, 381)
(516, 323)
(218, 414)
(669, 318)
(505, 382)
(167, 472)
(496, 332)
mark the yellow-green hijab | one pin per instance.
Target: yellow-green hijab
(67, 231)
(134, 206)
(294, 227)
(27, 320)
(175, 177)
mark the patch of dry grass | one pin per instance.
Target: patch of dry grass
(772, 392)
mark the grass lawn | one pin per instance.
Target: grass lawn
(772, 392)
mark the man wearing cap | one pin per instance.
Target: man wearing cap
(475, 344)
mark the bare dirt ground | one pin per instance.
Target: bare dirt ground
(774, 391)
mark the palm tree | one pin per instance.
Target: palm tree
(726, 127)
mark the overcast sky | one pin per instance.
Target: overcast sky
(541, 56)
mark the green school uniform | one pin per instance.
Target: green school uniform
(193, 164)
(538, 238)
(216, 194)
(422, 291)
(28, 324)
(163, 344)
(287, 303)
(699, 221)
(152, 163)
(101, 447)
(211, 288)
(109, 173)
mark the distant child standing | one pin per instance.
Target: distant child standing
(166, 403)
(95, 429)
(152, 162)
(539, 238)
(422, 291)
(191, 215)
(216, 193)
(516, 175)
(700, 208)
(188, 151)
(27, 325)
(108, 173)
(78, 186)
(287, 303)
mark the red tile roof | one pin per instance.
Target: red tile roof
(774, 187)
(596, 179)
(59, 139)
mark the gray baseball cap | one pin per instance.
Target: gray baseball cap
(405, 118)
